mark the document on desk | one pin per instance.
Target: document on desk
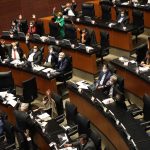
(143, 69)
(38, 68)
(63, 139)
(108, 101)
(82, 85)
(89, 48)
(44, 116)
(47, 70)
(12, 102)
(3, 94)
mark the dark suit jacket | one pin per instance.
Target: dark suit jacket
(19, 50)
(124, 20)
(107, 77)
(63, 65)
(3, 52)
(23, 121)
(88, 146)
(54, 60)
(37, 58)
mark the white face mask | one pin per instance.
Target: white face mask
(104, 70)
(60, 58)
(34, 50)
(122, 15)
(59, 17)
(15, 47)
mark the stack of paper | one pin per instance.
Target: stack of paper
(44, 116)
(38, 68)
(143, 69)
(82, 85)
(3, 94)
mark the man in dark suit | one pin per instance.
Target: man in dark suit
(84, 143)
(122, 18)
(35, 56)
(23, 124)
(15, 52)
(51, 59)
(3, 50)
(63, 63)
(104, 76)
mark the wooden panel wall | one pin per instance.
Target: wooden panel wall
(10, 9)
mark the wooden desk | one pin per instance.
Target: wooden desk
(42, 83)
(79, 59)
(133, 83)
(99, 120)
(118, 39)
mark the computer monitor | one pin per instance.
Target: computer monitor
(29, 90)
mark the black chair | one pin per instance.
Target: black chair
(39, 28)
(70, 32)
(36, 38)
(7, 82)
(59, 103)
(96, 138)
(141, 52)
(120, 82)
(83, 124)
(54, 29)
(21, 35)
(93, 41)
(24, 25)
(88, 10)
(106, 12)
(112, 68)
(5, 34)
(103, 50)
(30, 91)
(138, 22)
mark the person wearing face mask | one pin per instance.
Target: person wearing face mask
(51, 59)
(3, 50)
(32, 28)
(84, 143)
(61, 22)
(104, 76)
(63, 63)
(15, 52)
(35, 56)
(122, 18)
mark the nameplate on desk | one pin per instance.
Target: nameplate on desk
(108, 101)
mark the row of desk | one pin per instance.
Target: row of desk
(106, 124)
(80, 59)
(135, 82)
(118, 37)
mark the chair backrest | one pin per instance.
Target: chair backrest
(141, 52)
(5, 34)
(21, 35)
(71, 111)
(29, 90)
(146, 107)
(138, 18)
(96, 138)
(39, 28)
(83, 124)
(88, 10)
(6, 81)
(59, 103)
(92, 36)
(70, 32)
(54, 29)
(106, 12)
(120, 82)
(104, 39)
(24, 26)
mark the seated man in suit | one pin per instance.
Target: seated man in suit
(122, 18)
(35, 56)
(51, 59)
(146, 61)
(63, 63)
(104, 76)
(84, 143)
(15, 52)
(109, 88)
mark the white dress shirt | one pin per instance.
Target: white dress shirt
(30, 58)
(15, 55)
(102, 79)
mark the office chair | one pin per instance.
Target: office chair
(7, 82)
(28, 94)
(103, 50)
(93, 41)
(5, 34)
(112, 68)
(88, 10)
(106, 12)
(54, 29)
(57, 49)
(120, 83)
(21, 36)
(141, 52)
(70, 32)
(39, 28)
(83, 124)
(96, 138)
(59, 103)
(36, 38)
(42, 53)
(24, 25)
(138, 22)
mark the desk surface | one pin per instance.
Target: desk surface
(136, 83)
(22, 74)
(106, 125)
